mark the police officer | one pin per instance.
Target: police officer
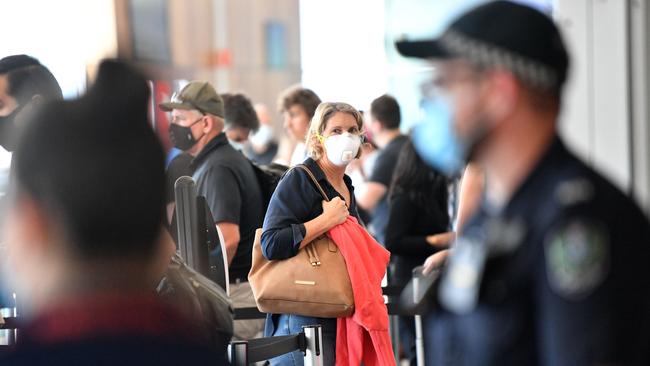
(553, 267)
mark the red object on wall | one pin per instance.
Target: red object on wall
(161, 92)
(221, 58)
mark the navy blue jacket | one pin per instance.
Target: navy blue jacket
(295, 201)
(566, 279)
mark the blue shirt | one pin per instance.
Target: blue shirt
(296, 200)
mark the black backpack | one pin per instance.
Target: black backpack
(268, 177)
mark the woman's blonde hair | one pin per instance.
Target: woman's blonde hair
(323, 113)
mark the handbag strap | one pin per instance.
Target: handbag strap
(313, 179)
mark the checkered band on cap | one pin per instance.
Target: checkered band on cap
(484, 54)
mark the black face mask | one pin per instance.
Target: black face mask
(181, 136)
(8, 129)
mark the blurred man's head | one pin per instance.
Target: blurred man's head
(241, 118)
(496, 65)
(384, 114)
(197, 116)
(298, 105)
(86, 195)
(24, 85)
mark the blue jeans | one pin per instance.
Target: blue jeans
(285, 324)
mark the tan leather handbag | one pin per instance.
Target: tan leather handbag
(315, 282)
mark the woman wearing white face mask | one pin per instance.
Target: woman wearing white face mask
(297, 213)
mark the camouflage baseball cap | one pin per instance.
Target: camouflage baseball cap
(199, 95)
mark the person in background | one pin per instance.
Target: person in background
(418, 215)
(385, 118)
(24, 84)
(240, 119)
(263, 146)
(297, 213)
(472, 186)
(226, 179)
(84, 250)
(298, 105)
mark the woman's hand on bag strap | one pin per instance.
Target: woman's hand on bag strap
(335, 212)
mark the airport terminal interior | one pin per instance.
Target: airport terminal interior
(325, 182)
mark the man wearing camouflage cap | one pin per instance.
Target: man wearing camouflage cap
(227, 181)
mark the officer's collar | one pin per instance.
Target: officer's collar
(217, 142)
(554, 151)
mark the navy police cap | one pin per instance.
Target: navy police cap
(501, 34)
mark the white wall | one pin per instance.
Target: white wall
(343, 50)
(640, 100)
(596, 119)
(65, 35)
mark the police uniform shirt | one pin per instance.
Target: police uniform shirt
(565, 278)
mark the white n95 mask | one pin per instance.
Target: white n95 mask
(342, 149)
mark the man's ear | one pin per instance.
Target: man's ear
(375, 125)
(35, 224)
(27, 230)
(37, 99)
(213, 123)
(504, 93)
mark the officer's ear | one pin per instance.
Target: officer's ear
(503, 94)
(37, 99)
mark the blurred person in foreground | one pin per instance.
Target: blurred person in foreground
(552, 268)
(83, 234)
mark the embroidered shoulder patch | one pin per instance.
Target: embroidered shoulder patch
(577, 258)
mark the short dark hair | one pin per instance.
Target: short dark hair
(27, 77)
(96, 165)
(385, 109)
(27, 82)
(305, 98)
(239, 111)
(13, 62)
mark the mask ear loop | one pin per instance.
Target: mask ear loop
(320, 138)
(197, 121)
